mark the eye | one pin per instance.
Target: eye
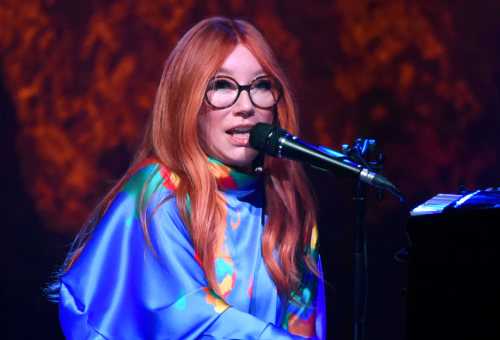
(222, 84)
(263, 84)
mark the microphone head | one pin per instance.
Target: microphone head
(259, 134)
(265, 137)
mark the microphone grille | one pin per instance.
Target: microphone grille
(259, 134)
(265, 137)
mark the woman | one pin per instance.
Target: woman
(192, 242)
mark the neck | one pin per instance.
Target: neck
(233, 178)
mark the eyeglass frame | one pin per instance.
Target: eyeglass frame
(247, 88)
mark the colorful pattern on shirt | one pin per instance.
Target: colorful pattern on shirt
(119, 289)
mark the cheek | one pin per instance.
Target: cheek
(266, 116)
(209, 125)
(204, 129)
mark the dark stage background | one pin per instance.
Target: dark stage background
(78, 79)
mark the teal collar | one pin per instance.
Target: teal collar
(229, 178)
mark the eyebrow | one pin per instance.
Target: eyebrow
(228, 72)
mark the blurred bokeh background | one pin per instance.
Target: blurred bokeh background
(77, 81)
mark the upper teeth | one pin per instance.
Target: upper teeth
(240, 130)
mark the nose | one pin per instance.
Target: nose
(244, 105)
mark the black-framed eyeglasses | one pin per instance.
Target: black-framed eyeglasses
(223, 91)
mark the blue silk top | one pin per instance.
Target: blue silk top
(122, 288)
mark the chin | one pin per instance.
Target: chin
(241, 159)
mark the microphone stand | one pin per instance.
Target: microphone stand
(361, 160)
(361, 149)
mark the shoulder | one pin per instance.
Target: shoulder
(123, 267)
(127, 220)
(147, 190)
(148, 177)
(142, 210)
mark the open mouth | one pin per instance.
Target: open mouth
(240, 135)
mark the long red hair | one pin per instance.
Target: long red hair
(172, 137)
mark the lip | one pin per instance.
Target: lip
(240, 139)
(241, 126)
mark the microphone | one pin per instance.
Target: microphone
(275, 141)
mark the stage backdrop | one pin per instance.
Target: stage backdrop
(79, 78)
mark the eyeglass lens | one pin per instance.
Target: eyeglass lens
(223, 92)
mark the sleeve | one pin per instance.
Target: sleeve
(120, 289)
(305, 313)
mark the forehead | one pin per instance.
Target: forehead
(241, 64)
